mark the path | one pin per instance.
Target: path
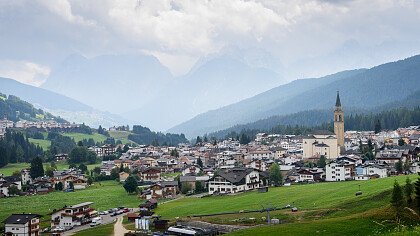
(119, 229)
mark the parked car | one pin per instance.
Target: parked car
(125, 210)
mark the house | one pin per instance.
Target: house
(191, 170)
(192, 180)
(76, 215)
(235, 180)
(123, 176)
(7, 182)
(260, 154)
(339, 171)
(370, 170)
(257, 164)
(22, 225)
(26, 176)
(164, 189)
(321, 142)
(391, 156)
(150, 174)
(309, 175)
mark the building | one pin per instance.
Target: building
(22, 225)
(76, 215)
(339, 121)
(235, 180)
(339, 171)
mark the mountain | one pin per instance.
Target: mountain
(211, 84)
(359, 89)
(114, 83)
(15, 109)
(59, 105)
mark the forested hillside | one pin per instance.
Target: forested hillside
(361, 89)
(390, 119)
(143, 135)
(14, 108)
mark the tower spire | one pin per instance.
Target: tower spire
(337, 101)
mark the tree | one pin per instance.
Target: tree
(417, 190)
(58, 186)
(397, 199)
(200, 162)
(13, 190)
(244, 139)
(97, 170)
(37, 169)
(115, 173)
(378, 126)
(276, 178)
(130, 184)
(83, 168)
(174, 153)
(49, 172)
(408, 190)
(186, 187)
(199, 187)
(401, 142)
(322, 162)
(198, 141)
(16, 173)
(89, 180)
(399, 167)
(71, 185)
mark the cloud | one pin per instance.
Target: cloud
(24, 71)
(180, 32)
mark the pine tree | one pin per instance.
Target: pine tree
(322, 162)
(417, 190)
(408, 190)
(200, 162)
(37, 169)
(378, 127)
(397, 199)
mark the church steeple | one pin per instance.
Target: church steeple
(339, 121)
(337, 100)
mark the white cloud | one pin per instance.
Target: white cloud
(63, 9)
(24, 71)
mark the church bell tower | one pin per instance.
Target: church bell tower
(339, 121)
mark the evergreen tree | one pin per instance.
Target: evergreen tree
(198, 141)
(401, 142)
(71, 185)
(322, 162)
(417, 191)
(399, 167)
(200, 162)
(408, 190)
(37, 169)
(378, 127)
(130, 184)
(276, 178)
(397, 199)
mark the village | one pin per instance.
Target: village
(219, 168)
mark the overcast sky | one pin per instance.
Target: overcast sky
(36, 35)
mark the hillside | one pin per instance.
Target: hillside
(360, 89)
(318, 204)
(59, 105)
(16, 109)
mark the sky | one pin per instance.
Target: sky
(306, 37)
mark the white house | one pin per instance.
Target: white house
(235, 180)
(75, 215)
(22, 225)
(339, 171)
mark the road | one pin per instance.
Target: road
(106, 219)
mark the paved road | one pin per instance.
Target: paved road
(106, 219)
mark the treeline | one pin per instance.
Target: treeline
(143, 135)
(390, 120)
(14, 148)
(15, 108)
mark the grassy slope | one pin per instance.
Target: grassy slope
(79, 136)
(12, 167)
(108, 194)
(121, 135)
(45, 144)
(305, 197)
(101, 230)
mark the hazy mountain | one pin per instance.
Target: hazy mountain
(364, 89)
(114, 83)
(211, 84)
(58, 104)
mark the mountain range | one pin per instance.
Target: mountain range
(359, 89)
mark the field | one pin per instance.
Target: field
(12, 167)
(101, 230)
(105, 195)
(45, 144)
(79, 136)
(323, 208)
(121, 135)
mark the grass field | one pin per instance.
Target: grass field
(45, 144)
(102, 230)
(323, 208)
(12, 167)
(105, 195)
(79, 136)
(121, 135)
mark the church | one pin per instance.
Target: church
(324, 142)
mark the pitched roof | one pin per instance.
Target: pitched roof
(337, 101)
(20, 218)
(235, 175)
